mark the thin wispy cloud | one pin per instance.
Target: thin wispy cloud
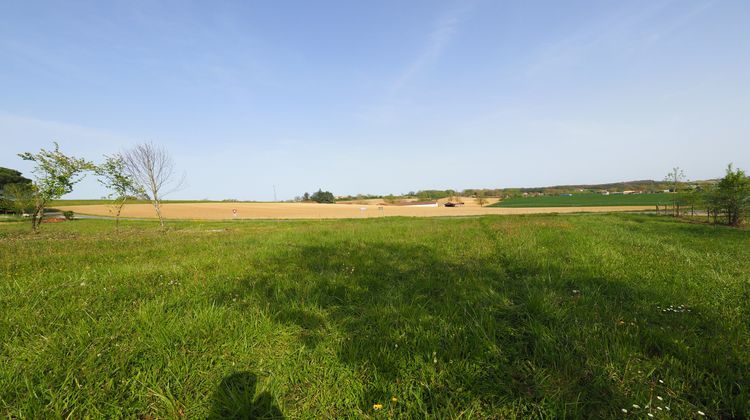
(19, 133)
(619, 33)
(444, 30)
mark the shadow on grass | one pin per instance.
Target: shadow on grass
(487, 332)
(235, 399)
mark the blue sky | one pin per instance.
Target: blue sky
(381, 97)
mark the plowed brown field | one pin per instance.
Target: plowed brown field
(219, 211)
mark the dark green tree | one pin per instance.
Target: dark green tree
(323, 197)
(11, 176)
(17, 198)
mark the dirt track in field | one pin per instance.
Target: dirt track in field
(223, 211)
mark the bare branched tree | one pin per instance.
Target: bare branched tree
(152, 169)
(676, 177)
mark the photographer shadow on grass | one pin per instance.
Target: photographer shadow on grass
(524, 323)
(235, 399)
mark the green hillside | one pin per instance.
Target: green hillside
(587, 200)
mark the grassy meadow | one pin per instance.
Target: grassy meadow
(85, 202)
(494, 316)
(587, 200)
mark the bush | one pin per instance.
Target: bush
(323, 197)
(68, 215)
(729, 200)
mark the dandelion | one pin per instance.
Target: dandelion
(394, 399)
(377, 406)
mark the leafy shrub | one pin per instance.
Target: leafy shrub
(323, 197)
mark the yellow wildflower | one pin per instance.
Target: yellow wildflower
(394, 399)
(377, 406)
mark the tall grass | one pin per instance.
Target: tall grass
(550, 316)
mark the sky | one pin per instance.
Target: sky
(382, 96)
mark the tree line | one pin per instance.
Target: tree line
(724, 202)
(144, 172)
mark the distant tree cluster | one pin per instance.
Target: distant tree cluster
(320, 196)
(15, 192)
(731, 197)
(724, 202)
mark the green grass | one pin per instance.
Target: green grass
(587, 200)
(522, 316)
(10, 218)
(99, 201)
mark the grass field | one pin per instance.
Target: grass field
(585, 200)
(543, 316)
(89, 202)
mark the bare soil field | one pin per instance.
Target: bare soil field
(468, 201)
(223, 211)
